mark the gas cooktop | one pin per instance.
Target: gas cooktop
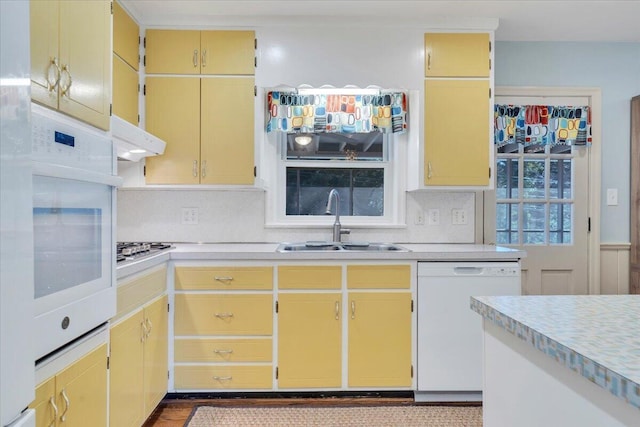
(130, 251)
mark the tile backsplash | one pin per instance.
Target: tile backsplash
(155, 214)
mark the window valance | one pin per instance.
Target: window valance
(542, 124)
(347, 112)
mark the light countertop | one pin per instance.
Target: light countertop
(595, 336)
(267, 252)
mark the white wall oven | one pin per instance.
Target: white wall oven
(74, 197)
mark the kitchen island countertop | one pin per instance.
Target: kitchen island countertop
(591, 335)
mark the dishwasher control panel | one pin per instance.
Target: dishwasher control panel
(501, 271)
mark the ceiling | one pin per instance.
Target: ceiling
(524, 20)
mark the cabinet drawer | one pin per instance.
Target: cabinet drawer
(132, 294)
(310, 277)
(223, 377)
(223, 314)
(378, 276)
(227, 278)
(223, 350)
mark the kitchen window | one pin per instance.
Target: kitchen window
(363, 167)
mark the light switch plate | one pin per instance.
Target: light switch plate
(458, 217)
(189, 216)
(612, 197)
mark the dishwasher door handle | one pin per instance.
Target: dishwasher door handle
(468, 271)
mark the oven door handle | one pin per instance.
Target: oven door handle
(57, 171)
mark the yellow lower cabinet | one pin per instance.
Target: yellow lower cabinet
(309, 340)
(222, 350)
(213, 377)
(379, 339)
(156, 363)
(77, 395)
(223, 314)
(138, 364)
(126, 374)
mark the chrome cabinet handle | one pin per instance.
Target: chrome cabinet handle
(428, 60)
(64, 90)
(53, 65)
(150, 326)
(195, 168)
(224, 315)
(429, 170)
(204, 58)
(216, 351)
(63, 417)
(217, 378)
(52, 402)
(223, 279)
(204, 168)
(143, 328)
(337, 310)
(353, 309)
(195, 58)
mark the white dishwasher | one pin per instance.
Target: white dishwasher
(449, 332)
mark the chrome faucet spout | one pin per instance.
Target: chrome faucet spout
(337, 227)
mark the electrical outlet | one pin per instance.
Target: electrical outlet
(189, 216)
(434, 216)
(458, 217)
(419, 220)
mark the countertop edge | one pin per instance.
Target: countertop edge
(617, 384)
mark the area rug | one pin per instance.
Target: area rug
(369, 416)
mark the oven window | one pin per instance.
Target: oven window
(67, 246)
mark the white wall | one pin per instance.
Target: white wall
(315, 54)
(615, 69)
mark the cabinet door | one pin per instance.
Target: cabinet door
(85, 61)
(44, 52)
(125, 91)
(457, 54)
(84, 386)
(173, 114)
(456, 132)
(156, 363)
(125, 372)
(379, 339)
(228, 52)
(227, 139)
(126, 36)
(45, 403)
(172, 52)
(309, 340)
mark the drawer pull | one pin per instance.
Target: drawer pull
(223, 279)
(229, 378)
(223, 351)
(224, 315)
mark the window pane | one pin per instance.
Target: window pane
(507, 179)
(560, 223)
(506, 223)
(533, 220)
(361, 191)
(533, 179)
(560, 178)
(341, 146)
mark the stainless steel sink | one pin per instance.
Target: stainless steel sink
(340, 246)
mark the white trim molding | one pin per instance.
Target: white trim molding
(614, 268)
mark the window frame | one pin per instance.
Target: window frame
(275, 182)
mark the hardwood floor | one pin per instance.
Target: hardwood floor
(174, 412)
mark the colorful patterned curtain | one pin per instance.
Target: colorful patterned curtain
(542, 124)
(289, 111)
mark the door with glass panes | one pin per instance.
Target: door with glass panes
(540, 204)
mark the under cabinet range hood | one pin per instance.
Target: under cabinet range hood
(133, 143)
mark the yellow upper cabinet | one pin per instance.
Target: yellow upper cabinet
(200, 52)
(126, 37)
(125, 91)
(71, 58)
(457, 55)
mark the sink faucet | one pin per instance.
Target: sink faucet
(337, 227)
